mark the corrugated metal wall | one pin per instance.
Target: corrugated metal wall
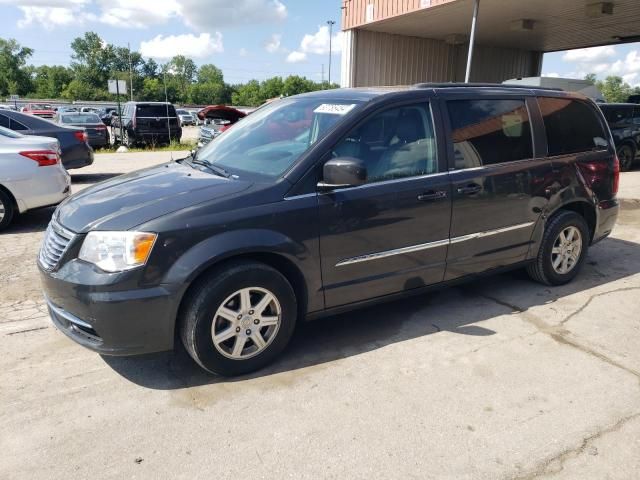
(354, 12)
(378, 59)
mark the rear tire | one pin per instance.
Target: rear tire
(7, 210)
(626, 155)
(230, 325)
(562, 251)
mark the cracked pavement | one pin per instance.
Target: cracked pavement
(500, 378)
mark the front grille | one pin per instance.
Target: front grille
(56, 241)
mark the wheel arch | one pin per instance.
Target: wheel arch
(11, 197)
(583, 208)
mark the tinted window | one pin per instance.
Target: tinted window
(572, 126)
(80, 118)
(485, 132)
(15, 125)
(396, 143)
(636, 116)
(617, 114)
(156, 111)
(4, 121)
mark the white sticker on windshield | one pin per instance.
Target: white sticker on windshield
(334, 108)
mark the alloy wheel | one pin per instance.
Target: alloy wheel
(246, 323)
(2, 210)
(566, 250)
(625, 155)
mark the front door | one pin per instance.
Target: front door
(499, 187)
(390, 234)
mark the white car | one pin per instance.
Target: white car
(31, 174)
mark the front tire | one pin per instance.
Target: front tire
(7, 210)
(562, 251)
(239, 318)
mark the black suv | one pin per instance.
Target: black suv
(323, 202)
(153, 123)
(624, 122)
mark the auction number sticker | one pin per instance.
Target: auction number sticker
(334, 108)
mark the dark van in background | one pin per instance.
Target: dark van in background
(154, 123)
(324, 202)
(624, 122)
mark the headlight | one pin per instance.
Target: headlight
(117, 251)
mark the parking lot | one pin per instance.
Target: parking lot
(498, 378)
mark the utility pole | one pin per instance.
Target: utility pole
(331, 23)
(130, 71)
(322, 73)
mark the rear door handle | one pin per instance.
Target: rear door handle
(432, 195)
(470, 189)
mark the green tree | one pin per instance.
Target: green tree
(50, 81)
(181, 72)
(209, 73)
(14, 78)
(614, 89)
(591, 78)
(271, 88)
(247, 94)
(93, 60)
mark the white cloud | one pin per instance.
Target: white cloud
(188, 45)
(319, 42)
(272, 45)
(50, 13)
(205, 15)
(138, 13)
(296, 57)
(589, 55)
(243, 52)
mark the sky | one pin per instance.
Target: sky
(247, 39)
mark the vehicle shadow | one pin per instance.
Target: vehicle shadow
(31, 221)
(458, 309)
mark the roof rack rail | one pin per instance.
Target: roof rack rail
(492, 85)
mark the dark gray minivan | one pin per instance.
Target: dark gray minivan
(323, 202)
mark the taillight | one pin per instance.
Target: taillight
(44, 158)
(616, 174)
(81, 135)
(598, 174)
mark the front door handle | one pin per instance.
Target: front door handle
(432, 195)
(470, 189)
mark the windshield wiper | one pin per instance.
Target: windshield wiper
(214, 168)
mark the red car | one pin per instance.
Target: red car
(220, 118)
(39, 110)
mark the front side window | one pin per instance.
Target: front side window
(396, 143)
(270, 140)
(486, 132)
(572, 126)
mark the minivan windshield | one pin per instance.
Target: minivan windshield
(274, 137)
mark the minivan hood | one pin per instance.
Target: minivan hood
(129, 200)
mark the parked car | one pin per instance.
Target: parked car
(624, 122)
(89, 110)
(97, 132)
(76, 152)
(31, 174)
(374, 195)
(197, 121)
(60, 110)
(41, 110)
(107, 114)
(154, 123)
(185, 118)
(217, 119)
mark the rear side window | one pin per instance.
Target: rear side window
(15, 125)
(4, 121)
(155, 111)
(617, 114)
(485, 132)
(572, 126)
(636, 116)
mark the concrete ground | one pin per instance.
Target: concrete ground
(496, 379)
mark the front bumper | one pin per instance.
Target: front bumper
(88, 307)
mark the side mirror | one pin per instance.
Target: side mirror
(343, 172)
